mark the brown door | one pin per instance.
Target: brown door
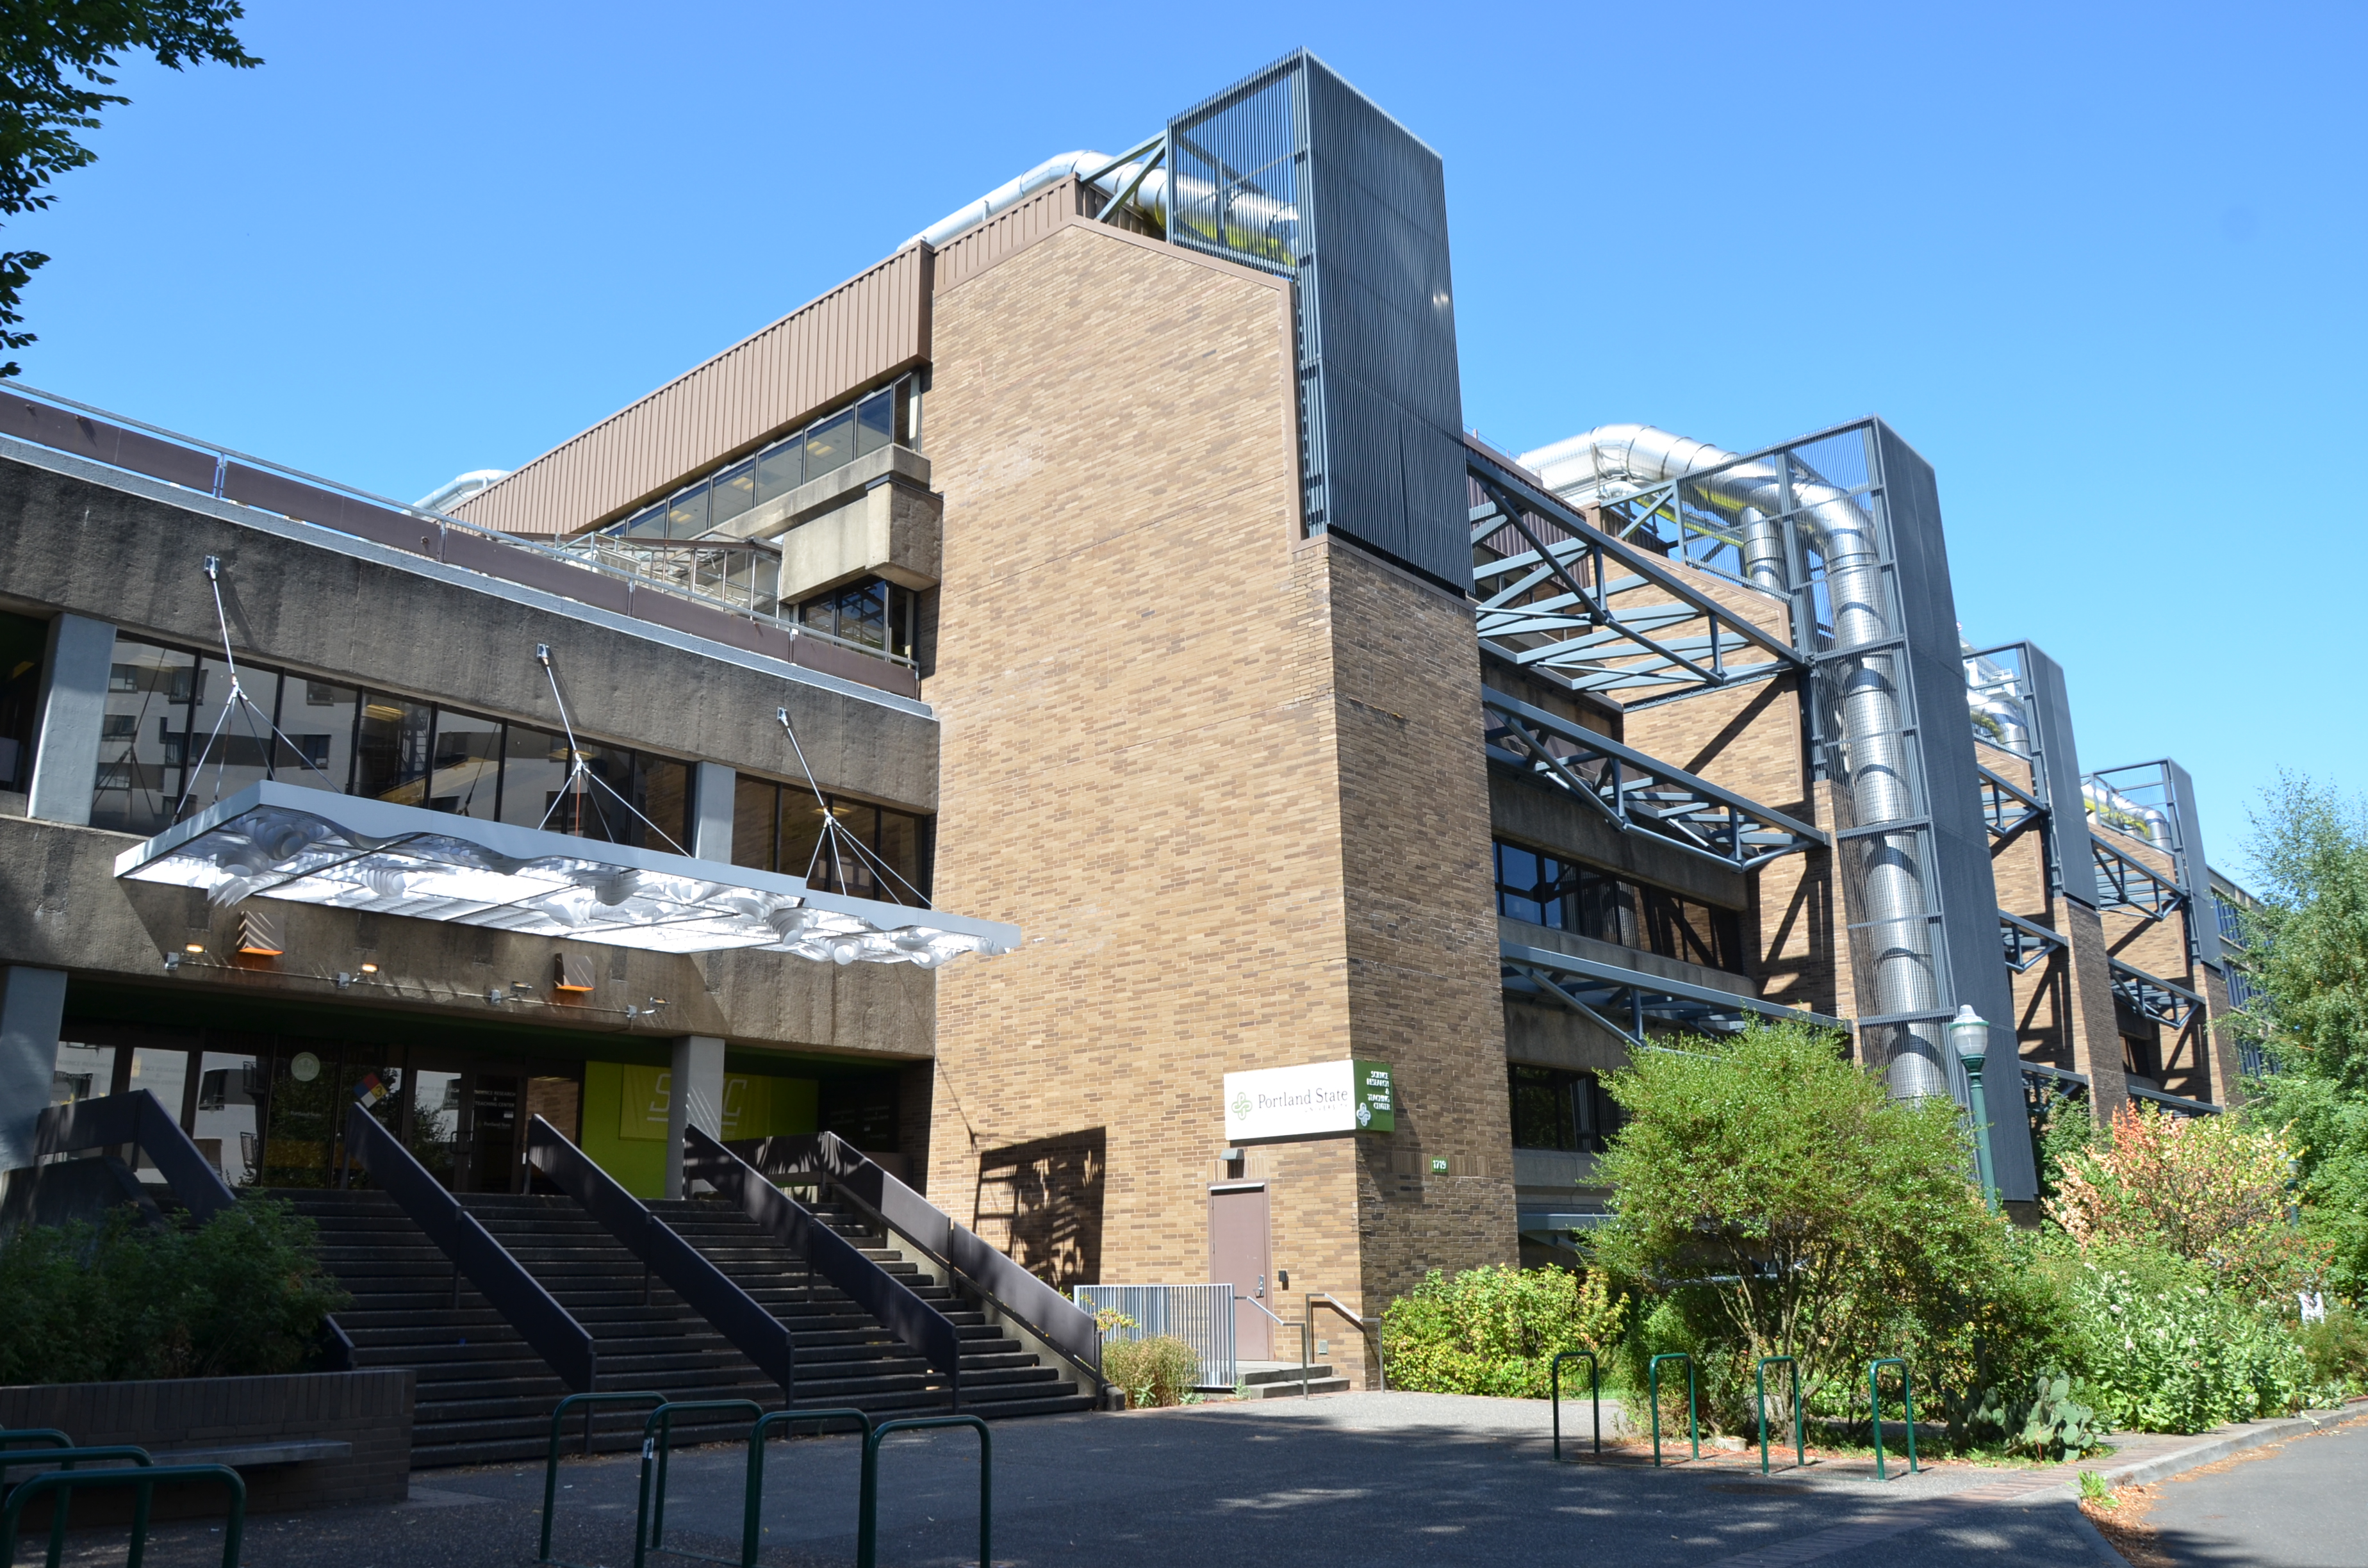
(1238, 1255)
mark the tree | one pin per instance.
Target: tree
(55, 56)
(1785, 1205)
(2306, 953)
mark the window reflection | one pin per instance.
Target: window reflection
(467, 773)
(1546, 890)
(390, 753)
(534, 775)
(143, 737)
(733, 492)
(884, 417)
(777, 827)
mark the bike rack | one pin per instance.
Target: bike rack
(1694, 1419)
(657, 1444)
(867, 1528)
(1594, 1395)
(751, 1527)
(64, 1455)
(1759, 1382)
(1874, 1410)
(144, 1476)
(550, 1465)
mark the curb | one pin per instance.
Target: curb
(2212, 1448)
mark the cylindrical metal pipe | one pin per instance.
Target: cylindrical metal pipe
(1876, 776)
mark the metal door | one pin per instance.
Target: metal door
(1239, 1254)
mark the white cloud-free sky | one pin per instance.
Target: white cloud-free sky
(2102, 263)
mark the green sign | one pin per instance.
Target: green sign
(1377, 1106)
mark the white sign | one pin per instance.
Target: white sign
(1309, 1101)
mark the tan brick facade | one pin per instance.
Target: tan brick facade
(1228, 781)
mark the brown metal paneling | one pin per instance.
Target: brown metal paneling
(310, 504)
(111, 444)
(867, 328)
(1013, 229)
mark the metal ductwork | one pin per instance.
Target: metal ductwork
(1875, 770)
(1150, 197)
(2112, 807)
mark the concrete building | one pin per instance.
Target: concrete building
(1119, 548)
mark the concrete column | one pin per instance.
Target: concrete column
(32, 1008)
(712, 789)
(2096, 1036)
(695, 1100)
(73, 705)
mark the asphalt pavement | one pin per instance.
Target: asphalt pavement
(1439, 1481)
(2303, 1505)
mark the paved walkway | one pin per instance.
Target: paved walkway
(1351, 1479)
(2298, 1505)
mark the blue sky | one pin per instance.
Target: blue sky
(2100, 263)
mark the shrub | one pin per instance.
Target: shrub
(1496, 1330)
(2215, 1189)
(1155, 1371)
(242, 1294)
(1784, 1205)
(2336, 1351)
(2161, 1350)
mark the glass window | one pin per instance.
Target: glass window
(830, 444)
(436, 1122)
(230, 745)
(22, 642)
(164, 1073)
(755, 813)
(687, 514)
(862, 823)
(534, 775)
(317, 719)
(143, 737)
(1558, 1109)
(665, 786)
(875, 421)
(83, 1073)
(900, 846)
(230, 1085)
(633, 794)
(821, 615)
(734, 492)
(467, 771)
(802, 836)
(780, 469)
(391, 755)
(648, 523)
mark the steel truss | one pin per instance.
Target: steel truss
(2025, 943)
(2129, 884)
(1605, 992)
(2007, 807)
(2168, 1004)
(1636, 793)
(1602, 614)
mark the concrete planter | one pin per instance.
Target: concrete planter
(305, 1441)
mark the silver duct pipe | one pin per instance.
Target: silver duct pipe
(1989, 694)
(1877, 782)
(2116, 809)
(1150, 197)
(460, 488)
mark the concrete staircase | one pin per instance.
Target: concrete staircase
(484, 1396)
(1278, 1380)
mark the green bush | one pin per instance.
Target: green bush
(1496, 1330)
(2161, 1350)
(2336, 1351)
(1155, 1371)
(242, 1294)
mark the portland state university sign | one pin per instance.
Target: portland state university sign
(1313, 1101)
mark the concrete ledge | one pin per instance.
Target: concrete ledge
(238, 1456)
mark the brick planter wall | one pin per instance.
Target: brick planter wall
(178, 1417)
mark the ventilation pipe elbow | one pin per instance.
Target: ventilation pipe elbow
(460, 488)
(1150, 197)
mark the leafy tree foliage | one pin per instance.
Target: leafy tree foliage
(1496, 1330)
(55, 59)
(2307, 953)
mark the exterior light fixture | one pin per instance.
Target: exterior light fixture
(279, 841)
(193, 947)
(258, 935)
(493, 994)
(370, 969)
(1970, 1033)
(343, 979)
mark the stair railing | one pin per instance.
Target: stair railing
(900, 1310)
(550, 1329)
(138, 1119)
(705, 1289)
(1064, 1326)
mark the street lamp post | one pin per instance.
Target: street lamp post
(1970, 1033)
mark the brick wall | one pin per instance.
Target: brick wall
(1151, 691)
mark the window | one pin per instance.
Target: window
(777, 827)
(1545, 890)
(1557, 1109)
(837, 438)
(874, 612)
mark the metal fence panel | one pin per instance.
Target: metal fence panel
(1199, 1315)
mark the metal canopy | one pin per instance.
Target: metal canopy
(1603, 992)
(1634, 792)
(1603, 614)
(281, 841)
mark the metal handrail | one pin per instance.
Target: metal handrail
(550, 1329)
(895, 1304)
(1371, 1326)
(138, 1119)
(1065, 1327)
(705, 1289)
